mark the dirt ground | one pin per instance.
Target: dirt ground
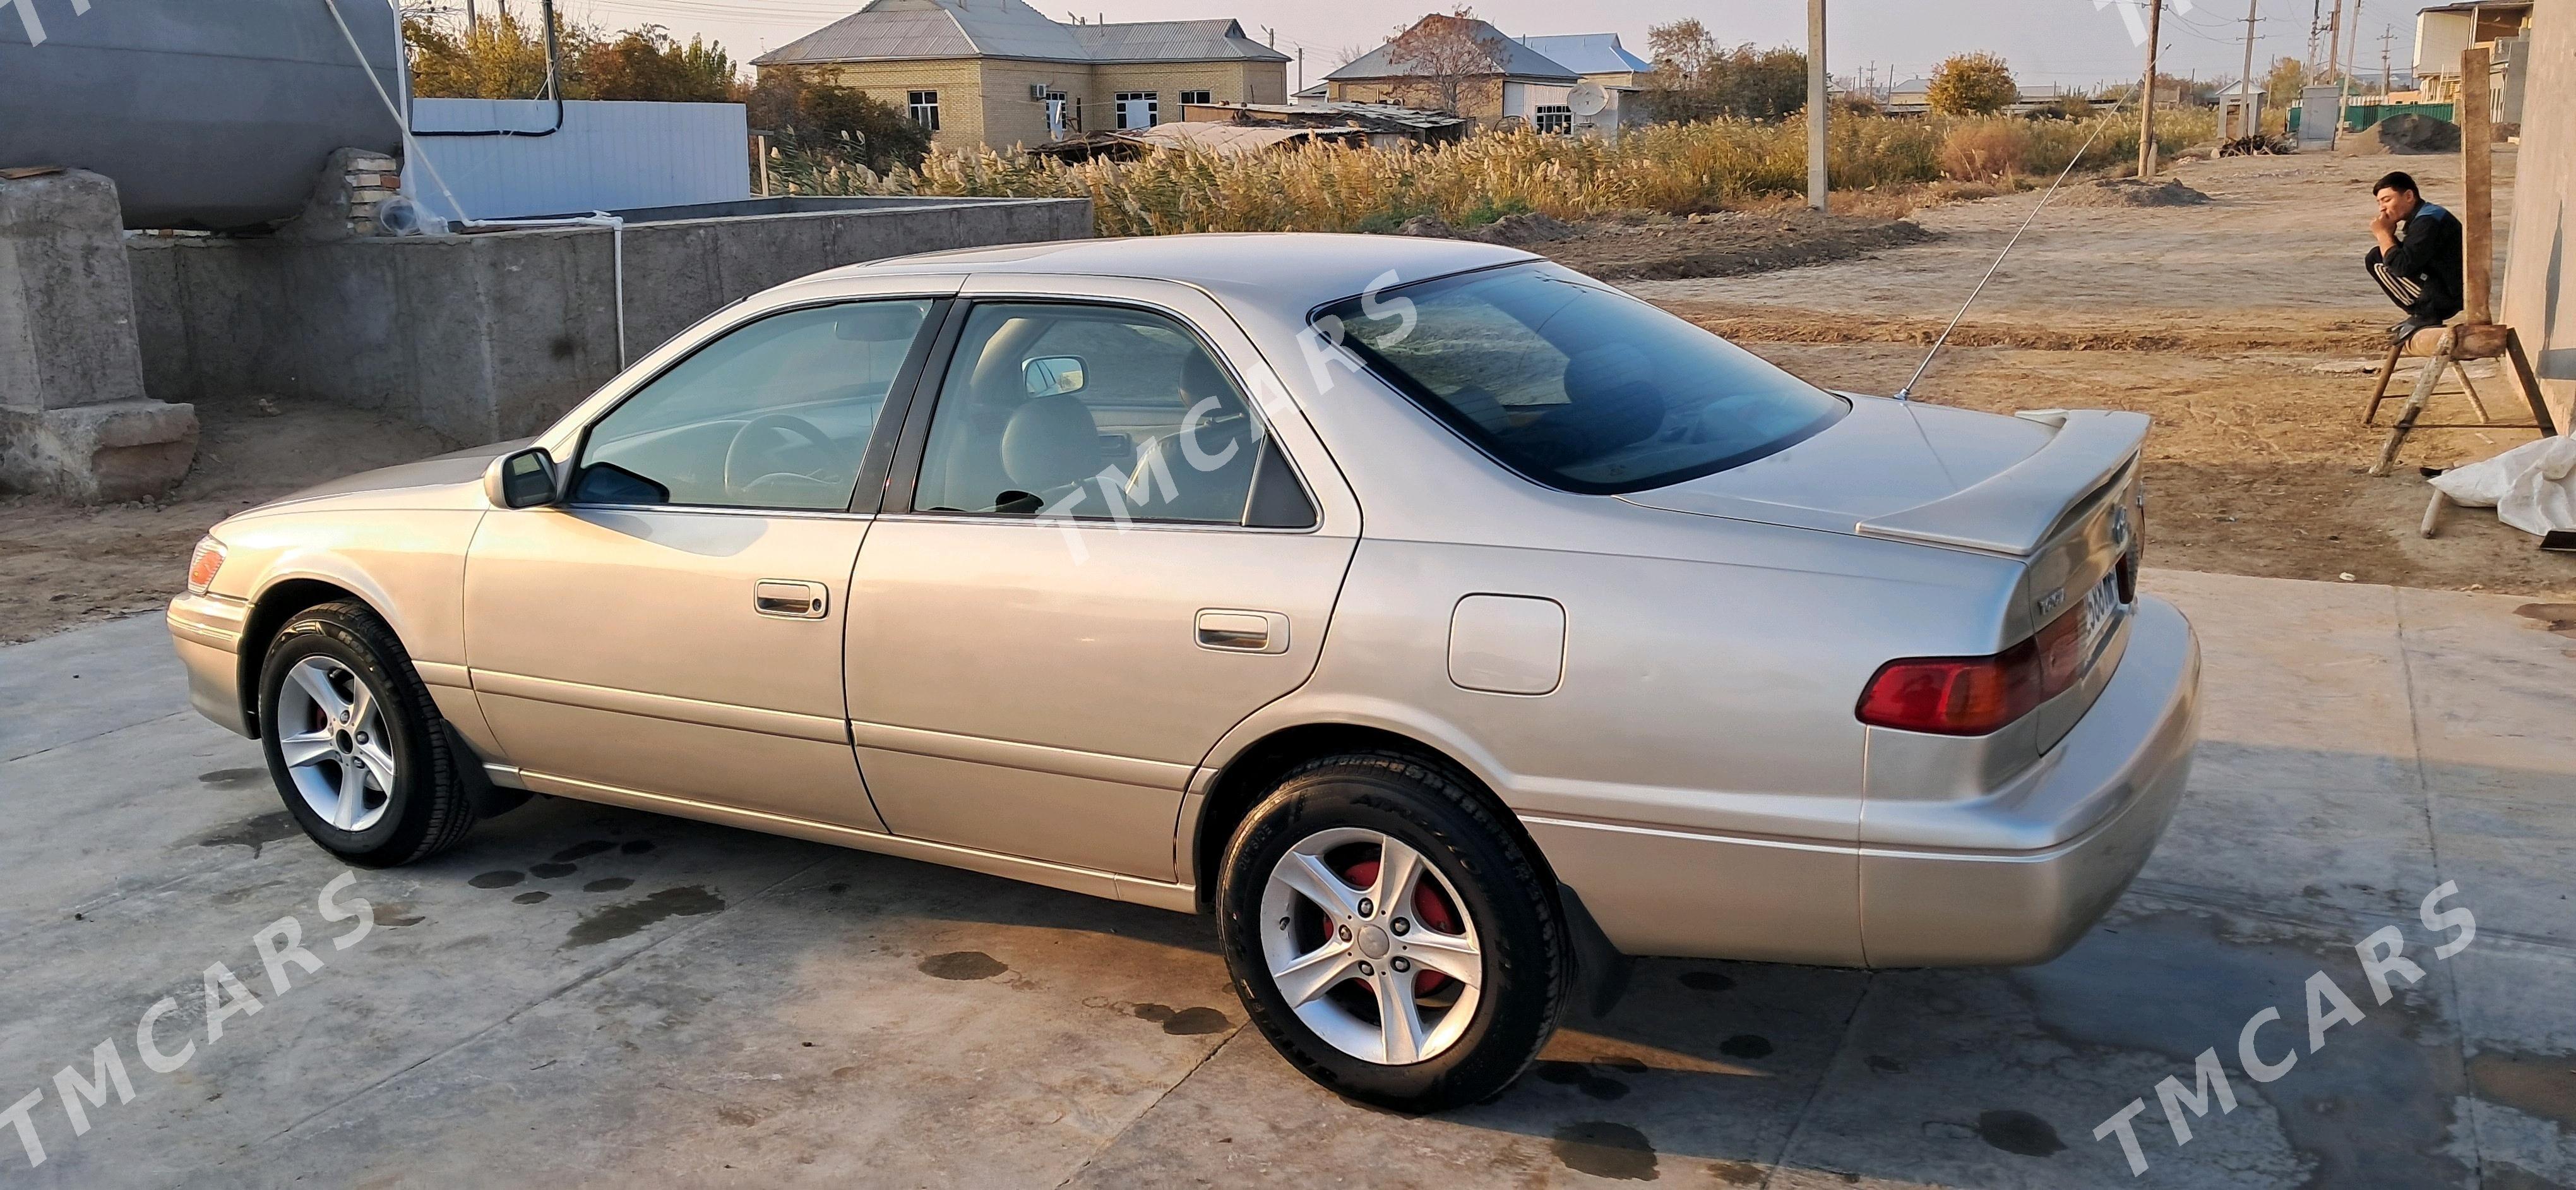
(1717, 244)
(61, 566)
(2245, 326)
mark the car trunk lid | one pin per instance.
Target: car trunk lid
(1938, 476)
(2057, 491)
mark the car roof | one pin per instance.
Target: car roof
(1299, 270)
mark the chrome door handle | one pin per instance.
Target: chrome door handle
(792, 599)
(1228, 631)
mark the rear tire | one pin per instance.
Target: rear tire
(339, 704)
(1476, 952)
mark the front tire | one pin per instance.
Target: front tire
(355, 745)
(1389, 935)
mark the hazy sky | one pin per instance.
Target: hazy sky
(2060, 41)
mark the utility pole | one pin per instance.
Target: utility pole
(2343, 102)
(473, 20)
(1816, 104)
(1301, 68)
(2334, 42)
(2386, 36)
(2147, 95)
(2316, 26)
(2245, 85)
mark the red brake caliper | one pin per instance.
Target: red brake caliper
(1429, 908)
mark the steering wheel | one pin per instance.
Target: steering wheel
(738, 453)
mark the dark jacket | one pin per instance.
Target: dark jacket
(2428, 253)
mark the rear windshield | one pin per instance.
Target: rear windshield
(1574, 385)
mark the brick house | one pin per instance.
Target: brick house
(1524, 80)
(999, 73)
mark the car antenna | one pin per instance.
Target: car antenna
(1907, 393)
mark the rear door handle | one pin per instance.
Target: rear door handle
(1228, 631)
(790, 599)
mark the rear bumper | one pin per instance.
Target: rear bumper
(2008, 878)
(207, 630)
(2105, 792)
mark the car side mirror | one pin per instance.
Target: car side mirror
(1053, 375)
(522, 480)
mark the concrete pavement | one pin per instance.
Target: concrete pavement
(590, 996)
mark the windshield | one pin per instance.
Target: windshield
(1576, 386)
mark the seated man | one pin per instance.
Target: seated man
(2417, 261)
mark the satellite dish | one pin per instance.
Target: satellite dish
(1588, 98)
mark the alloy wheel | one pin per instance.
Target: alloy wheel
(336, 754)
(1371, 947)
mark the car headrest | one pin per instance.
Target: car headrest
(1050, 442)
(1615, 386)
(1612, 402)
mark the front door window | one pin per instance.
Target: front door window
(776, 414)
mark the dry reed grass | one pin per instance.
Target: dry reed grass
(1671, 168)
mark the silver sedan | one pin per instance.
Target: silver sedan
(1448, 625)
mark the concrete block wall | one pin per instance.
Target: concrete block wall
(494, 335)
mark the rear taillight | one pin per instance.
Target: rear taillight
(1977, 695)
(203, 564)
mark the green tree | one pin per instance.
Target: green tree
(1697, 79)
(646, 63)
(500, 58)
(817, 118)
(504, 57)
(1973, 85)
(2281, 87)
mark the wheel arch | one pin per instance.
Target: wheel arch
(275, 604)
(1600, 972)
(1249, 769)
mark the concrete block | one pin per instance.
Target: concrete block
(74, 418)
(98, 453)
(66, 298)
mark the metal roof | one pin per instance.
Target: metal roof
(897, 29)
(1172, 41)
(1375, 116)
(1512, 59)
(1589, 53)
(1231, 140)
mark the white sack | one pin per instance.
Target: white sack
(2532, 487)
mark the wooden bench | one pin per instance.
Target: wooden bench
(2452, 347)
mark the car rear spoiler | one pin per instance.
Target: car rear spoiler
(2016, 510)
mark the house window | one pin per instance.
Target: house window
(1055, 113)
(1190, 97)
(1553, 118)
(1139, 109)
(924, 106)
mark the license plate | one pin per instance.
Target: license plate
(2101, 614)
